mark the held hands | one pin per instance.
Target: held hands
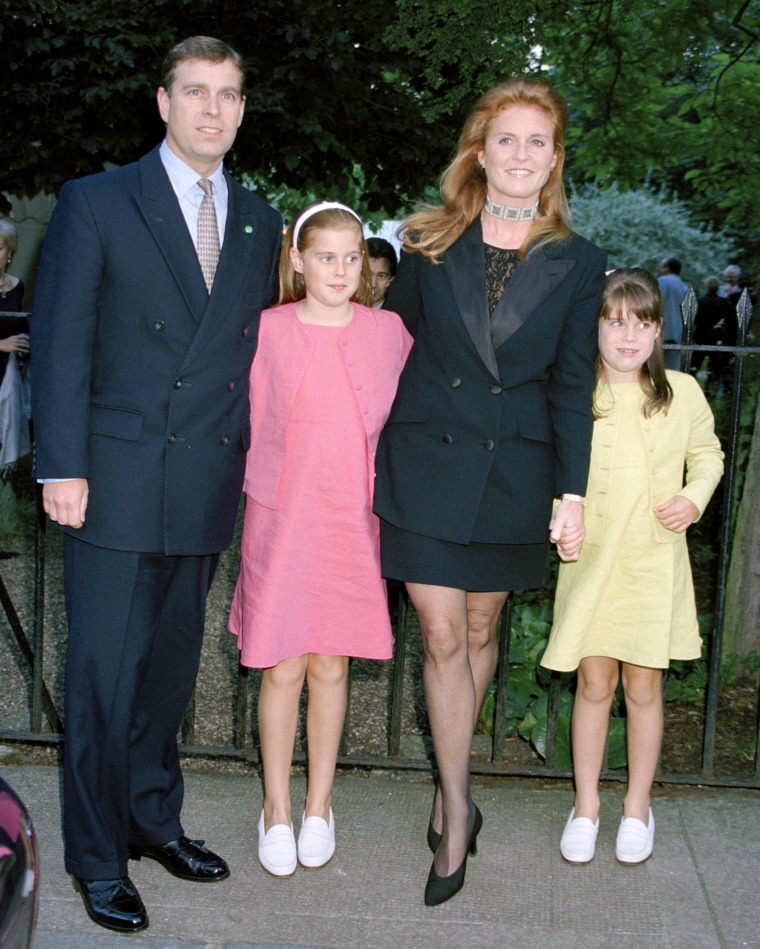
(567, 530)
(677, 514)
(65, 502)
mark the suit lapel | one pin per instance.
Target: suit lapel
(464, 266)
(532, 281)
(240, 236)
(225, 302)
(163, 216)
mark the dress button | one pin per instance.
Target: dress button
(177, 384)
(172, 438)
(159, 325)
(456, 382)
(488, 445)
(231, 386)
(447, 439)
(225, 439)
(496, 390)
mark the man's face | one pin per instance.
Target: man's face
(381, 278)
(202, 112)
(730, 276)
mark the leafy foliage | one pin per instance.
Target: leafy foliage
(663, 92)
(640, 227)
(323, 93)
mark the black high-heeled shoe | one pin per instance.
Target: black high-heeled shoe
(433, 837)
(440, 889)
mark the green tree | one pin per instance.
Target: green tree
(638, 228)
(323, 94)
(659, 91)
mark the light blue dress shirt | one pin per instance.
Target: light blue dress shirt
(184, 181)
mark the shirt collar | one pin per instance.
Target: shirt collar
(182, 177)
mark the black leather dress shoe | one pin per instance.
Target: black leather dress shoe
(115, 904)
(186, 859)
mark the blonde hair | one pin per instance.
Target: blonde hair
(292, 286)
(635, 290)
(432, 230)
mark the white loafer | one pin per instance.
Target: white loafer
(316, 841)
(277, 849)
(635, 840)
(578, 843)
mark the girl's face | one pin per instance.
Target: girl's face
(625, 344)
(331, 264)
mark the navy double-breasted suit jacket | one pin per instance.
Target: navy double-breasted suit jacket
(492, 417)
(141, 376)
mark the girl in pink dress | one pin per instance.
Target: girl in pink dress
(310, 593)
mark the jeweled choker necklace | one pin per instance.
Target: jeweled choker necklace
(506, 213)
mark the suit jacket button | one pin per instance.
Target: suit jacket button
(496, 390)
(246, 330)
(159, 325)
(225, 439)
(172, 438)
(488, 445)
(177, 384)
(447, 439)
(456, 382)
(231, 386)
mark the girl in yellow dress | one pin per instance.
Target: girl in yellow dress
(629, 598)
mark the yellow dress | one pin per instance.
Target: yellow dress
(630, 595)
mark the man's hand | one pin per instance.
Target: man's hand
(677, 514)
(65, 502)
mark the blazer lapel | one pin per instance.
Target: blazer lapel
(163, 216)
(240, 236)
(232, 272)
(464, 266)
(530, 284)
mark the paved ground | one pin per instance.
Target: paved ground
(700, 889)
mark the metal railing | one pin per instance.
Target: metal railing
(42, 708)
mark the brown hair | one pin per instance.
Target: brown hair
(432, 230)
(636, 290)
(206, 49)
(292, 286)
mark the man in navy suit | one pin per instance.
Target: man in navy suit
(146, 313)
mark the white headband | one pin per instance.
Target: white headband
(315, 209)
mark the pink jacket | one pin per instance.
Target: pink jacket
(375, 347)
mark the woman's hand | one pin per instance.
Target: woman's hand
(677, 514)
(15, 344)
(567, 530)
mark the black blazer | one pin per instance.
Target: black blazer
(484, 431)
(141, 377)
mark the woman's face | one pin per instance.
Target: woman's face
(4, 255)
(625, 343)
(519, 155)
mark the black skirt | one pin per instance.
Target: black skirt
(482, 568)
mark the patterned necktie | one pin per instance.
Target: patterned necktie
(208, 234)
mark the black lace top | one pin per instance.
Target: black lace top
(499, 266)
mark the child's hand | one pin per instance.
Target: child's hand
(677, 514)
